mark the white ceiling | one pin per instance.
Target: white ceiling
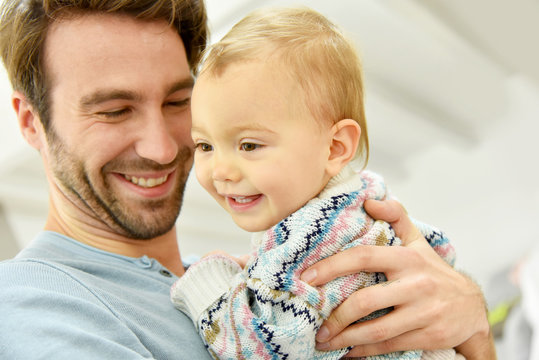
(452, 104)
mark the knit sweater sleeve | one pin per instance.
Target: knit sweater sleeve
(267, 311)
(205, 282)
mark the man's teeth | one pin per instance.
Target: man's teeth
(147, 183)
(242, 199)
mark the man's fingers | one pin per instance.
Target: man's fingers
(409, 340)
(358, 305)
(394, 213)
(381, 335)
(368, 258)
(387, 210)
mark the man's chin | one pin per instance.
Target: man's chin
(147, 231)
(146, 222)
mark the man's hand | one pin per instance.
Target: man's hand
(435, 307)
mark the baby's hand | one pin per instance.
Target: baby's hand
(241, 260)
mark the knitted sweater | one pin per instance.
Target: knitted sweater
(265, 311)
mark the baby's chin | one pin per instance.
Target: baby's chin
(254, 226)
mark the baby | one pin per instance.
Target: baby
(278, 118)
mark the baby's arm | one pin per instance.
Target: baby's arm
(265, 309)
(240, 316)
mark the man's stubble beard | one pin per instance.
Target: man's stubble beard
(155, 218)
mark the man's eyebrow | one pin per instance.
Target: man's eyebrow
(187, 83)
(104, 95)
(101, 96)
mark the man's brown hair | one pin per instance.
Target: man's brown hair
(24, 25)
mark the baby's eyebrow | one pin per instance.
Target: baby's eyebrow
(252, 127)
(238, 128)
(194, 128)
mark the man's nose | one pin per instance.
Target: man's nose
(156, 140)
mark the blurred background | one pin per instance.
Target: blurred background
(452, 98)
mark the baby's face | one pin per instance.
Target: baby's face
(257, 153)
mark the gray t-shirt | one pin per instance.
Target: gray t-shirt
(61, 299)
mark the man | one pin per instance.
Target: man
(102, 90)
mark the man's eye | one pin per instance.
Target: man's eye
(113, 114)
(249, 146)
(204, 147)
(179, 103)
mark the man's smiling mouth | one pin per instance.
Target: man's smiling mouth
(146, 182)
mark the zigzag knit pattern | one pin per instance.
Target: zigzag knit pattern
(265, 311)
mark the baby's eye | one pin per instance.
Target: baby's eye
(249, 146)
(204, 147)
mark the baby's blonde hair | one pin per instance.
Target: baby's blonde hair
(312, 50)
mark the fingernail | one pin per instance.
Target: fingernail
(323, 334)
(308, 275)
(322, 346)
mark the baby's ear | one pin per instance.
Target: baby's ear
(344, 143)
(29, 122)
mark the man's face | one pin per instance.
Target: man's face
(119, 146)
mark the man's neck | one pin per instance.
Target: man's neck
(163, 248)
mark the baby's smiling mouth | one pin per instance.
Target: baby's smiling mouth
(240, 199)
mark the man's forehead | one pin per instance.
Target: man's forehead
(104, 28)
(115, 47)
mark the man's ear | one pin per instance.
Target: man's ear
(344, 143)
(29, 122)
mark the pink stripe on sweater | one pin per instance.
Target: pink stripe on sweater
(248, 326)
